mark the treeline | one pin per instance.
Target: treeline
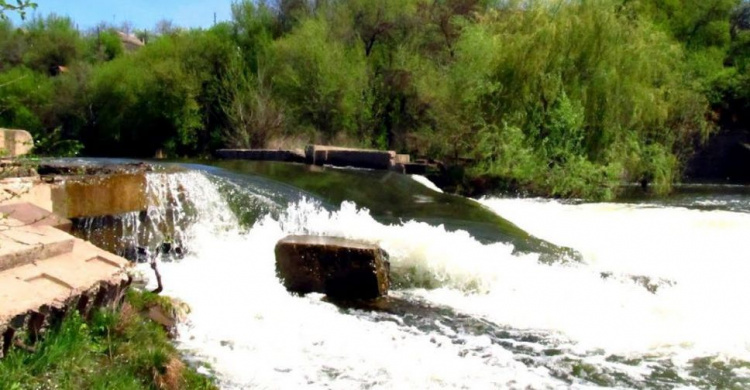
(563, 98)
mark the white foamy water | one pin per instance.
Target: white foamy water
(254, 334)
(705, 254)
(426, 182)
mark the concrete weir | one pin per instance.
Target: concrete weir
(335, 156)
(285, 155)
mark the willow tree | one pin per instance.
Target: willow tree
(595, 95)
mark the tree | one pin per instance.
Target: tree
(21, 7)
(52, 41)
(321, 80)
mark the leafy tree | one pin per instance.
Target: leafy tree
(320, 79)
(52, 41)
(21, 7)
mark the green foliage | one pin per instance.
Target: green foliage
(25, 94)
(568, 98)
(20, 6)
(53, 41)
(253, 28)
(53, 144)
(144, 102)
(697, 23)
(320, 79)
(111, 351)
(588, 88)
(253, 115)
(106, 45)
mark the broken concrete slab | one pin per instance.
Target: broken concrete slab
(36, 293)
(337, 267)
(80, 195)
(32, 215)
(349, 157)
(21, 244)
(91, 196)
(402, 159)
(26, 189)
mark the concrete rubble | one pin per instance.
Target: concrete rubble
(340, 268)
(45, 272)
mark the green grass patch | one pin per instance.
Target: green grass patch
(114, 350)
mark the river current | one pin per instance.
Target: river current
(656, 298)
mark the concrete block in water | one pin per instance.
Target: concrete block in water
(337, 267)
(349, 157)
(402, 159)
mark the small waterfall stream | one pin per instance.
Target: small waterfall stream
(469, 313)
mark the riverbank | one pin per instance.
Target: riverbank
(120, 349)
(68, 316)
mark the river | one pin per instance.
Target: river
(487, 294)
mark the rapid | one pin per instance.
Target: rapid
(657, 297)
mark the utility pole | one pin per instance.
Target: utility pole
(214, 18)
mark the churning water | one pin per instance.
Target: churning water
(659, 300)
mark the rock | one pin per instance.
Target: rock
(16, 142)
(167, 312)
(337, 267)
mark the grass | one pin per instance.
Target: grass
(113, 350)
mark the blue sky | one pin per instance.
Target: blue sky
(142, 13)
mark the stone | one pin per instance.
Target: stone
(74, 168)
(16, 142)
(340, 268)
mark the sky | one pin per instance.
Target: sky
(141, 13)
